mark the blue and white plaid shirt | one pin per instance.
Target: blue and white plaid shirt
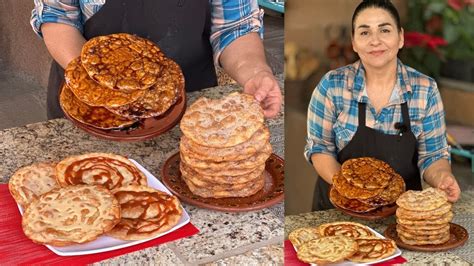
(230, 19)
(333, 112)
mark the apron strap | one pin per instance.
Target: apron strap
(361, 107)
(406, 116)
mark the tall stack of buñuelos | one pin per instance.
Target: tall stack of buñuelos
(224, 146)
(423, 217)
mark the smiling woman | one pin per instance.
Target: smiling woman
(376, 37)
(378, 107)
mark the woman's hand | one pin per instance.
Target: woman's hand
(439, 175)
(264, 87)
(449, 185)
(244, 60)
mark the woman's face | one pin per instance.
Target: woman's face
(376, 39)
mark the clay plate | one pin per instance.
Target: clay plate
(458, 236)
(272, 192)
(143, 129)
(377, 214)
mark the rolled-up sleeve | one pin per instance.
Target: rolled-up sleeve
(55, 11)
(231, 20)
(432, 143)
(321, 118)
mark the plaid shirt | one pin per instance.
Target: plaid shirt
(333, 112)
(230, 19)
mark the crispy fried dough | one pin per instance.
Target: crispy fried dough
(159, 98)
(349, 204)
(350, 191)
(98, 117)
(329, 249)
(350, 229)
(388, 195)
(70, 215)
(302, 235)
(122, 61)
(224, 122)
(235, 153)
(32, 181)
(426, 200)
(146, 212)
(373, 249)
(92, 93)
(367, 172)
(110, 170)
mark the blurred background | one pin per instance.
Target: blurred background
(439, 41)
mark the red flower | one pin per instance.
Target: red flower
(457, 4)
(415, 39)
(435, 41)
(423, 40)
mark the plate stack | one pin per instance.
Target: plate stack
(224, 147)
(423, 217)
(118, 80)
(365, 184)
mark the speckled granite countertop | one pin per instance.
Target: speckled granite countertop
(224, 238)
(463, 215)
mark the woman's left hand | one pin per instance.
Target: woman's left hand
(264, 87)
(439, 175)
(449, 185)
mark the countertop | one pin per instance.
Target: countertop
(463, 215)
(225, 238)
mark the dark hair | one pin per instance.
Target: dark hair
(383, 4)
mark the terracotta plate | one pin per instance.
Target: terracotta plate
(458, 236)
(272, 192)
(377, 214)
(142, 130)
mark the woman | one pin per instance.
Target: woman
(378, 107)
(189, 32)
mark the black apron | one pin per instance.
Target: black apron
(399, 151)
(181, 28)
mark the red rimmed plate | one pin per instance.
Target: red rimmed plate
(458, 236)
(271, 194)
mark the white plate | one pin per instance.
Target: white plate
(106, 243)
(397, 253)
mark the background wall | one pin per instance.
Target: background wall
(20, 49)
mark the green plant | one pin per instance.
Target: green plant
(438, 30)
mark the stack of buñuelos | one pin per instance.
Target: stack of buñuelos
(423, 217)
(362, 185)
(224, 146)
(118, 80)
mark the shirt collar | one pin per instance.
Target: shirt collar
(356, 83)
